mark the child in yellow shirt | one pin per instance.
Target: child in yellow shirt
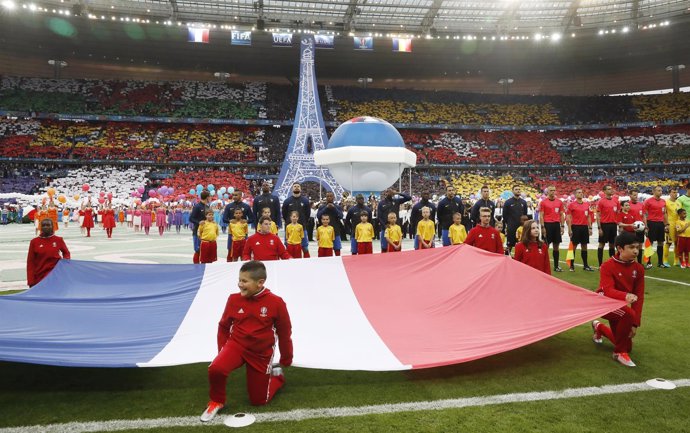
(325, 236)
(294, 233)
(266, 212)
(499, 227)
(208, 233)
(239, 230)
(426, 230)
(364, 234)
(683, 237)
(393, 234)
(457, 232)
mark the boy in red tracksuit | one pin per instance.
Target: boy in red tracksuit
(247, 335)
(484, 236)
(621, 277)
(44, 253)
(264, 245)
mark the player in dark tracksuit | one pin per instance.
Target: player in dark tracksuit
(299, 203)
(197, 215)
(389, 204)
(513, 209)
(353, 218)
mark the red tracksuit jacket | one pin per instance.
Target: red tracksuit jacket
(264, 247)
(254, 322)
(486, 238)
(44, 254)
(618, 278)
(533, 256)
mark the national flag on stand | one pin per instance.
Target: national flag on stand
(648, 251)
(198, 35)
(570, 257)
(402, 45)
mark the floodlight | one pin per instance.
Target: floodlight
(9, 5)
(625, 29)
(555, 37)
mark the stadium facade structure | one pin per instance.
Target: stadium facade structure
(308, 132)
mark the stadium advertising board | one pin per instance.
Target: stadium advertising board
(282, 39)
(241, 38)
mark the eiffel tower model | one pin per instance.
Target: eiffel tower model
(308, 133)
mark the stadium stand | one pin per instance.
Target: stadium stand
(663, 108)
(117, 181)
(184, 180)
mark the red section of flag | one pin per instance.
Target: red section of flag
(455, 304)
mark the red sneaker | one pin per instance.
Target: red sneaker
(624, 359)
(211, 411)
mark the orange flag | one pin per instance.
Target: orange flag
(570, 257)
(648, 251)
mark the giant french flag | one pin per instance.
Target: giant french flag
(413, 309)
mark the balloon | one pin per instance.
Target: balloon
(102, 193)
(213, 192)
(199, 187)
(85, 187)
(62, 198)
(137, 201)
(101, 200)
(76, 197)
(180, 197)
(152, 193)
(230, 190)
(210, 186)
(110, 196)
(141, 189)
(222, 190)
(51, 192)
(226, 196)
(192, 192)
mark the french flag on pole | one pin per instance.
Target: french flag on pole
(402, 45)
(198, 35)
(395, 311)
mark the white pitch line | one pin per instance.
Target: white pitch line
(339, 412)
(668, 281)
(646, 276)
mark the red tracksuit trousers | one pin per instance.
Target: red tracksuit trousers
(621, 322)
(261, 385)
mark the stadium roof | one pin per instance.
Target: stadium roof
(407, 16)
(603, 52)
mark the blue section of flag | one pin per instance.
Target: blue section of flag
(119, 314)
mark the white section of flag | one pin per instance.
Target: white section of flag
(195, 339)
(198, 35)
(329, 328)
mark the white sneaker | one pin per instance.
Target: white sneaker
(276, 370)
(597, 335)
(211, 411)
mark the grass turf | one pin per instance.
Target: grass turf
(32, 394)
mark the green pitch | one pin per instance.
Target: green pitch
(40, 395)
